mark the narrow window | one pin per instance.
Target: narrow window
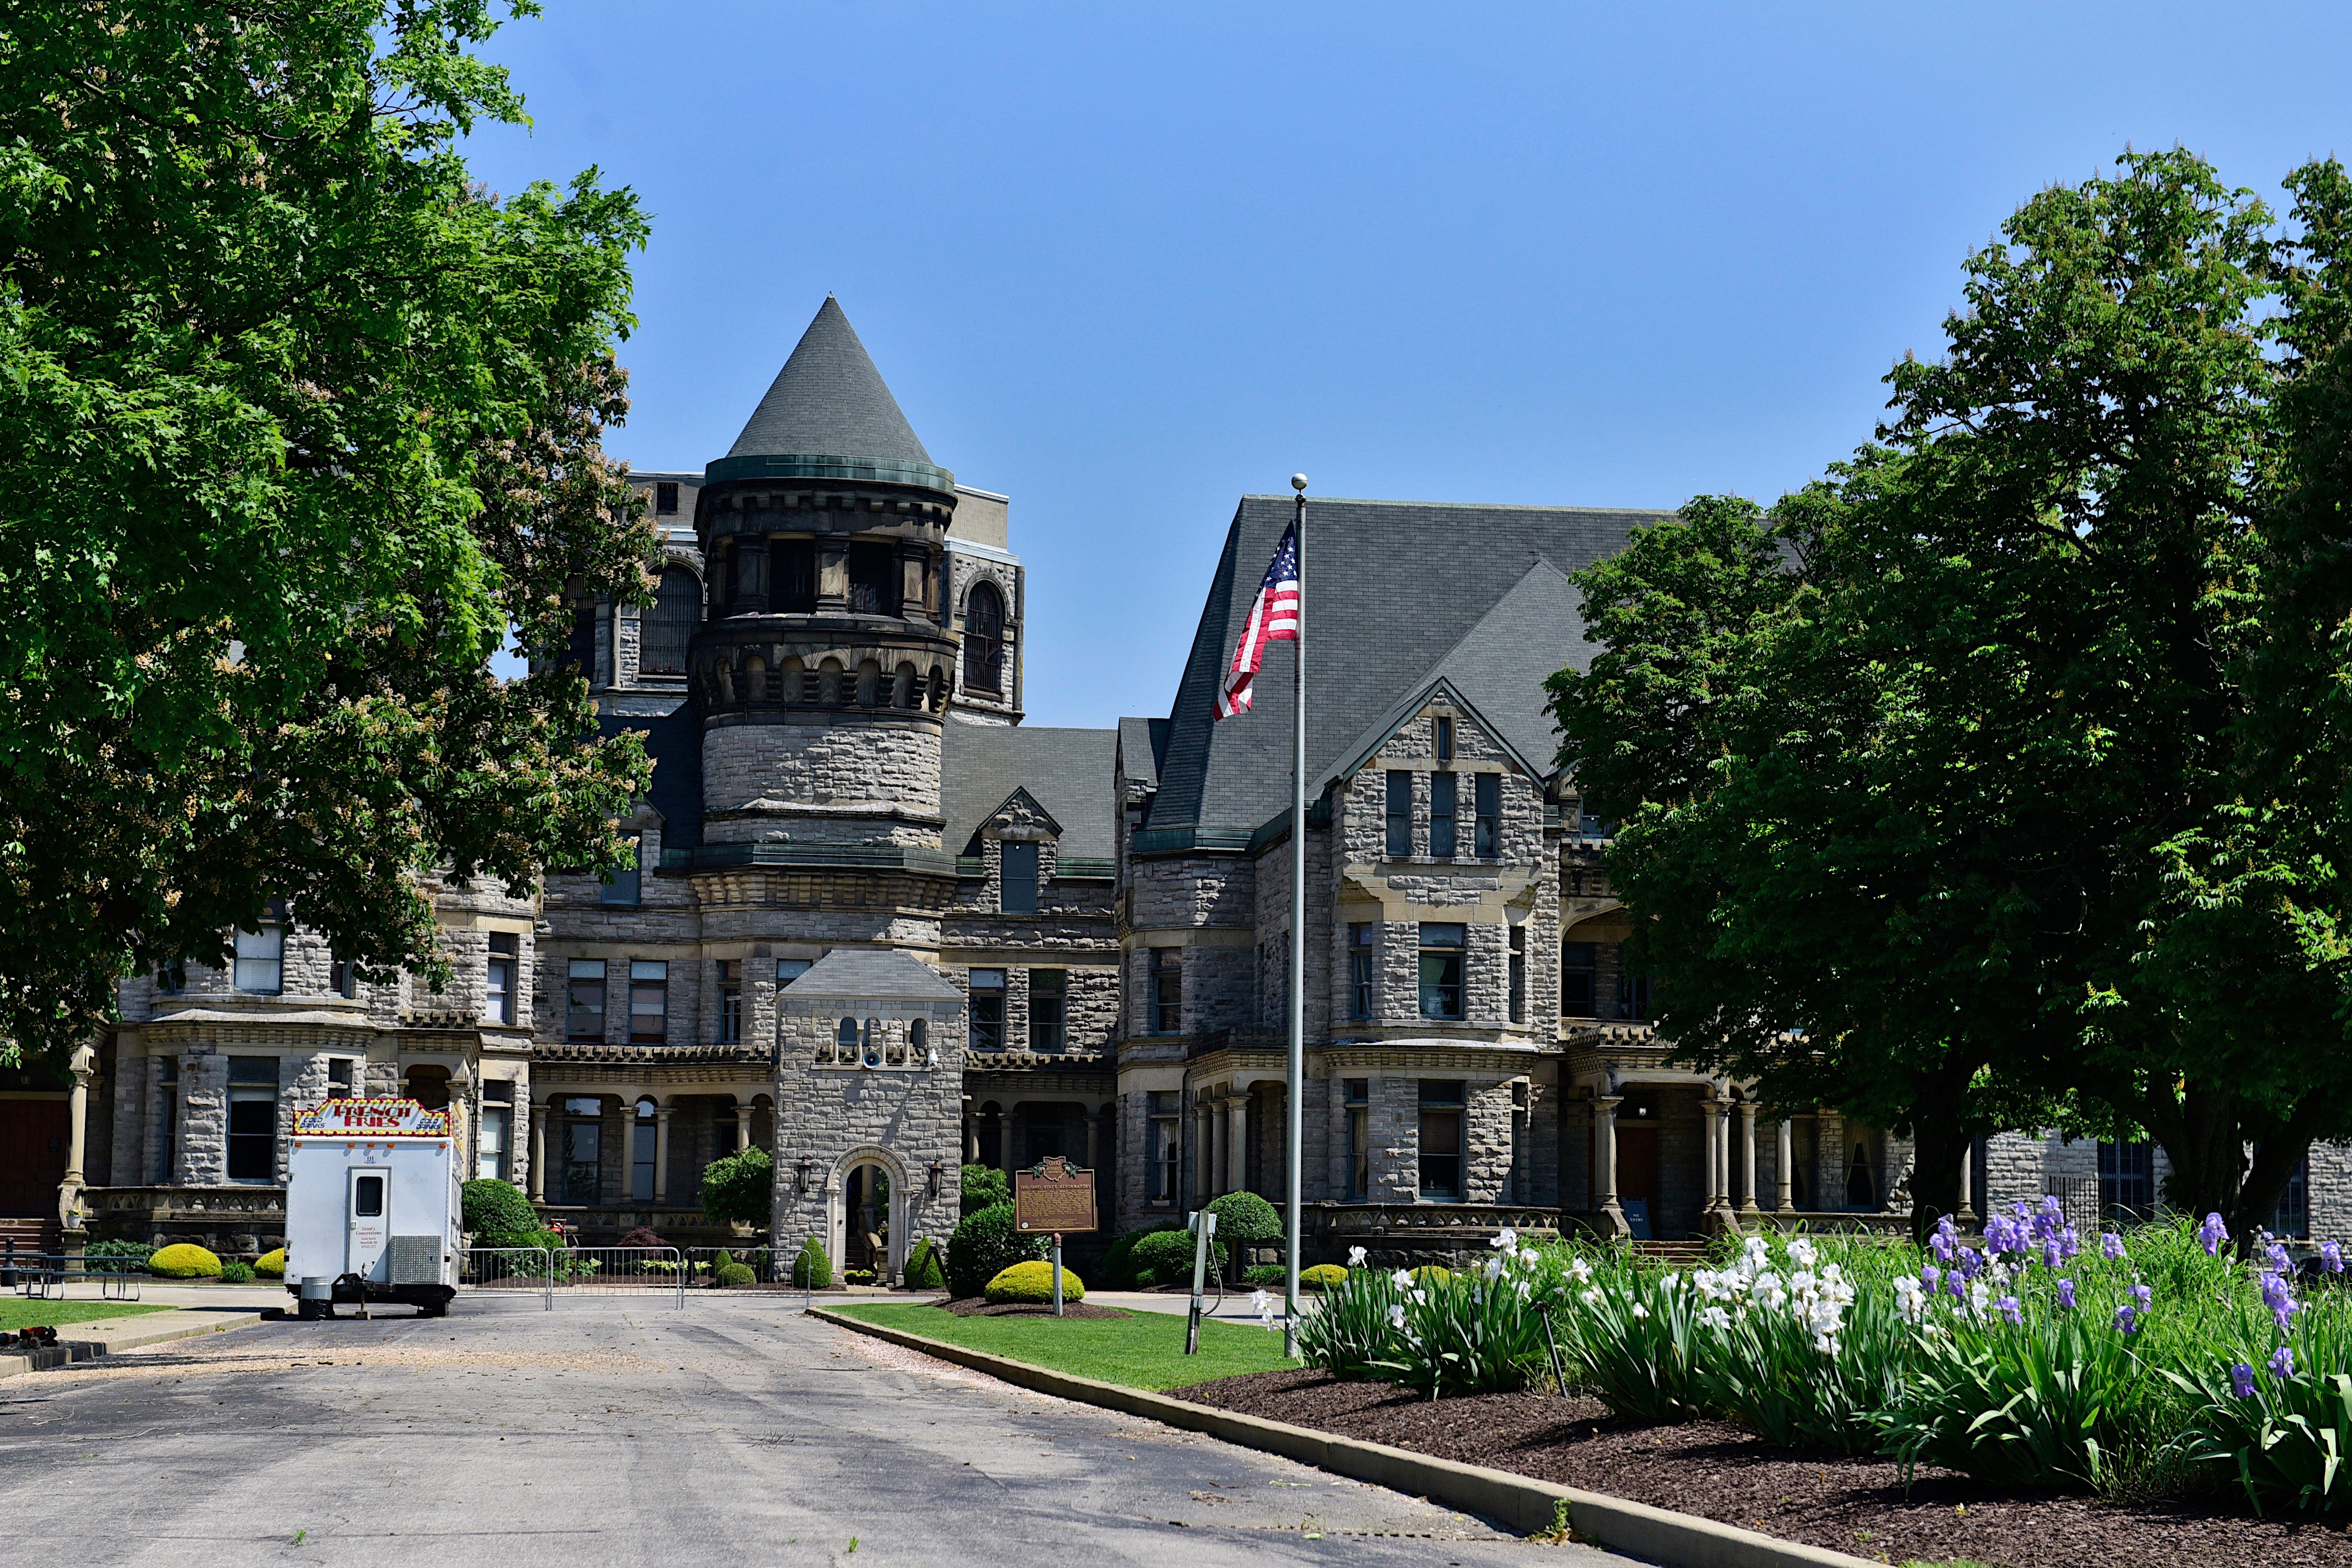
(261, 957)
(496, 1137)
(1400, 815)
(1363, 967)
(343, 978)
(583, 1149)
(987, 1010)
(918, 1040)
(1444, 737)
(1441, 970)
(338, 1076)
(648, 1002)
(748, 562)
(252, 1119)
(665, 498)
(1518, 974)
(792, 564)
(1017, 885)
(1161, 1143)
(1440, 816)
(499, 996)
(367, 1197)
(1356, 1098)
(730, 1002)
(1579, 963)
(1486, 836)
(670, 624)
(642, 1141)
(1048, 993)
(1632, 991)
(873, 579)
(844, 1042)
(2126, 1181)
(1441, 1140)
(984, 641)
(584, 1000)
(167, 1116)
(1167, 990)
(2293, 1216)
(622, 887)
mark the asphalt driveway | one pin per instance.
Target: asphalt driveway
(609, 1431)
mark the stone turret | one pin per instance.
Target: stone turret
(824, 669)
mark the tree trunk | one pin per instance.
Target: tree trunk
(2199, 1134)
(1939, 1136)
(2274, 1162)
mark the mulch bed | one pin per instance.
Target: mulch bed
(981, 1306)
(1720, 1472)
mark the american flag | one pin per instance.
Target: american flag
(1273, 617)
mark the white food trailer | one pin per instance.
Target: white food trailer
(373, 1206)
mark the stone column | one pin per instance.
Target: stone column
(1094, 1135)
(1788, 1168)
(970, 1133)
(541, 1113)
(1748, 1209)
(743, 1127)
(661, 1151)
(69, 1191)
(1605, 1128)
(1237, 1142)
(1007, 1142)
(1711, 1109)
(1968, 1206)
(1204, 1150)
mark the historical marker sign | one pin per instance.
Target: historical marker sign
(1056, 1197)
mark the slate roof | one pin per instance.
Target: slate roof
(872, 974)
(1067, 772)
(1397, 591)
(830, 401)
(675, 743)
(1139, 740)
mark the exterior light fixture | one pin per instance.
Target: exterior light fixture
(935, 1178)
(801, 1178)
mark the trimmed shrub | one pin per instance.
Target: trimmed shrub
(1117, 1270)
(1432, 1274)
(1167, 1256)
(491, 1207)
(984, 1187)
(739, 1189)
(924, 1269)
(1245, 1217)
(986, 1245)
(1322, 1277)
(271, 1265)
(233, 1272)
(184, 1260)
(1265, 1275)
(721, 1258)
(735, 1274)
(643, 1236)
(1031, 1284)
(812, 1270)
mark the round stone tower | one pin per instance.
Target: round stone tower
(822, 672)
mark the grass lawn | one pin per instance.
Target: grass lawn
(1144, 1350)
(17, 1314)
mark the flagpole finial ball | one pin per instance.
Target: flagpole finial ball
(1298, 481)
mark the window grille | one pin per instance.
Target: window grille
(984, 641)
(670, 624)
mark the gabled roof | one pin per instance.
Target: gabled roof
(830, 401)
(871, 974)
(1367, 745)
(1068, 773)
(1397, 591)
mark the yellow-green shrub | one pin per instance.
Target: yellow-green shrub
(271, 1265)
(1431, 1274)
(184, 1260)
(1031, 1284)
(1322, 1277)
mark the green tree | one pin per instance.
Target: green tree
(740, 1188)
(1953, 790)
(295, 422)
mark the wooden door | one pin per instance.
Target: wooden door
(32, 1155)
(1637, 1172)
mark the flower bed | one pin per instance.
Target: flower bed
(2156, 1364)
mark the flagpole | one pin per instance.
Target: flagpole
(1293, 1110)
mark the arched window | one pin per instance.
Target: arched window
(677, 610)
(984, 641)
(845, 1042)
(919, 1035)
(643, 1140)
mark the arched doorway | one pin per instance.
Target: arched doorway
(868, 1218)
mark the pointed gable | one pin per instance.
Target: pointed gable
(830, 401)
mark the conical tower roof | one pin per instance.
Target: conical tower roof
(830, 401)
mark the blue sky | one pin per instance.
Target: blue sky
(1129, 263)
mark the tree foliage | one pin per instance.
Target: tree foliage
(1998, 776)
(295, 422)
(740, 1188)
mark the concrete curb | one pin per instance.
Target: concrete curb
(123, 1334)
(1520, 1502)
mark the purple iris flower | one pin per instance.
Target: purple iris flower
(1928, 1275)
(2212, 1234)
(2282, 1364)
(2050, 1252)
(1956, 1284)
(2066, 1294)
(2069, 1242)
(2241, 1379)
(1942, 1243)
(2331, 1256)
(2011, 1309)
(2143, 1295)
(1969, 1264)
(2126, 1321)
(2275, 1256)
(2112, 1245)
(2279, 1298)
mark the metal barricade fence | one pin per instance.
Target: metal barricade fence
(509, 1269)
(706, 1271)
(645, 1271)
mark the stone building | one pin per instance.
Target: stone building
(882, 928)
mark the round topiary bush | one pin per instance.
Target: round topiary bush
(1167, 1256)
(271, 1265)
(1030, 1284)
(985, 1245)
(812, 1270)
(924, 1269)
(1322, 1277)
(492, 1207)
(1117, 1270)
(184, 1260)
(233, 1272)
(1245, 1217)
(731, 1275)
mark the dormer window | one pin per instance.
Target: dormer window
(665, 498)
(1017, 884)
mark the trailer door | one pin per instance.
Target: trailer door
(368, 1225)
